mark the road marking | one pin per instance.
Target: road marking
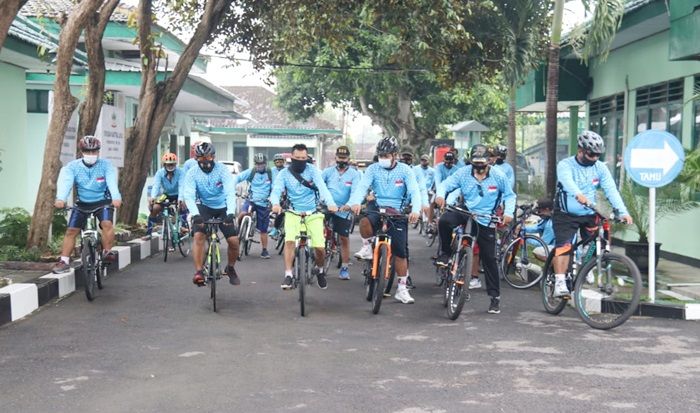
(191, 354)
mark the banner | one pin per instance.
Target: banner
(69, 147)
(110, 130)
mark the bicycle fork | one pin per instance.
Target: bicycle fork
(375, 259)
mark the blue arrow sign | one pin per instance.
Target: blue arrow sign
(654, 158)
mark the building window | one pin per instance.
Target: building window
(660, 107)
(37, 101)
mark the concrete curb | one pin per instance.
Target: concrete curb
(21, 299)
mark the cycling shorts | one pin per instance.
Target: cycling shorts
(229, 230)
(314, 228)
(78, 218)
(263, 215)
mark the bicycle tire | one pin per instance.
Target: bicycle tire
(279, 246)
(613, 311)
(445, 280)
(378, 293)
(552, 305)
(329, 255)
(184, 244)
(212, 278)
(369, 284)
(301, 264)
(100, 269)
(431, 240)
(166, 238)
(243, 237)
(457, 293)
(390, 281)
(519, 251)
(87, 257)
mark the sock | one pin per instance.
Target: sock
(65, 259)
(365, 241)
(287, 273)
(149, 227)
(560, 276)
(402, 281)
(319, 269)
(345, 265)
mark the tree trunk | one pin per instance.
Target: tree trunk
(8, 11)
(89, 111)
(511, 154)
(157, 100)
(552, 100)
(64, 103)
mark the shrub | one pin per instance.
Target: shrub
(14, 226)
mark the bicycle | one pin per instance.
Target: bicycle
(303, 260)
(610, 281)
(212, 260)
(516, 254)
(247, 232)
(172, 226)
(94, 268)
(378, 271)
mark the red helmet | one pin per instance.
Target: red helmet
(89, 143)
(169, 158)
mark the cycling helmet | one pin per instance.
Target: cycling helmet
(449, 156)
(204, 149)
(591, 141)
(90, 143)
(501, 151)
(259, 158)
(425, 157)
(169, 158)
(479, 153)
(387, 145)
(278, 157)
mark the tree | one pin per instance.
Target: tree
(591, 41)
(157, 97)
(64, 104)
(8, 11)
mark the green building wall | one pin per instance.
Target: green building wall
(15, 149)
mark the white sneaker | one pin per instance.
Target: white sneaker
(403, 295)
(365, 253)
(560, 289)
(474, 283)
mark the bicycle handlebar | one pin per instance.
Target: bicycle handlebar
(492, 218)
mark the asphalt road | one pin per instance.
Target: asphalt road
(150, 343)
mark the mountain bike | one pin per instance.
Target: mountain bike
(173, 237)
(246, 231)
(606, 285)
(517, 263)
(212, 260)
(303, 260)
(94, 267)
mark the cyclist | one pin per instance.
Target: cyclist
(169, 178)
(95, 183)
(443, 170)
(498, 158)
(393, 184)
(459, 162)
(278, 161)
(579, 177)
(544, 227)
(212, 185)
(427, 171)
(192, 161)
(340, 179)
(483, 188)
(304, 186)
(260, 179)
(407, 158)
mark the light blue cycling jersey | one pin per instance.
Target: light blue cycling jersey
(93, 184)
(574, 178)
(275, 171)
(215, 189)
(393, 187)
(260, 186)
(544, 228)
(340, 185)
(188, 165)
(442, 172)
(421, 185)
(481, 197)
(170, 187)
(301, 198)
(428, 175)
(508, 170)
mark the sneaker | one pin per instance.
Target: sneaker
(443, 259)
(365, 253)
(287, 282)
(403, 295)
(232, 275)
(264, 254)
(561, 289)
(110, 257)
(495, 307)
(60, 267)
(198, 279)
(474, 283)
(344, 273)
(146, 237)
(320, 279)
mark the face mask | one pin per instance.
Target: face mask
(479, 168)
(260, 169)
(170, 168)
(298, 166)
(385, 163)
(89, 160)
(499, 161)
(583, 160)
(206, 166)
(424, 166)
(342, 165)
(448, 165)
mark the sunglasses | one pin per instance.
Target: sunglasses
(591, 155)
(481, 190)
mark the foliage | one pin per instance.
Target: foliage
(690, 175)
(14, 226)
(594, 38)
(15, 253)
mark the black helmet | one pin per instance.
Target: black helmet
(501, 151)
(90, 143)
(591, 141)
(259, 158)
(204, 149)
(479, 153)
(449, 156)
(387, 145)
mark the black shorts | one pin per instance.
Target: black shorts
(340, 225)
(398, 231)
(229, 230)
(565, 227)
(78, 218)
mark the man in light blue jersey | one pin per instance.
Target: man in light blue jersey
(427, 171)
(259, 178)
(280, 163)
(340, 179)
(498, 159)
(305, 188)
(192, 161)
(95, 182)
(483, 188)
(210, 192)
(166, 182)
(579, 177)
(394, 185)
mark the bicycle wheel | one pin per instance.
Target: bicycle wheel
(243, 237)
(431, 239)
(330, 255)
(445, 281)
(184, 244)
(457, 294)
(552, 305)
(300, 269)
(166, 238)
(382, 268)
(213, 275)
(518, 265)
(279, 246)
(100, 269)
(87, 257)
(369, 281)
(606, 299)
(390, 281)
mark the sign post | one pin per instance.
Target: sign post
(653, 159)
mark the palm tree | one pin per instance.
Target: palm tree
(595, 41)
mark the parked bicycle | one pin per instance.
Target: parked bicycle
(518, 264)
(175, 231)
(606, 285)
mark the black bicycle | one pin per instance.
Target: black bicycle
(212, 260)
(94, 267)
(517, 262)
(303, 260)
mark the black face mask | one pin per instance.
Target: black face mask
(298, 166)
(584, 161)
(499, 161)
(206, 166)
(342, 165)
(479, 168)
